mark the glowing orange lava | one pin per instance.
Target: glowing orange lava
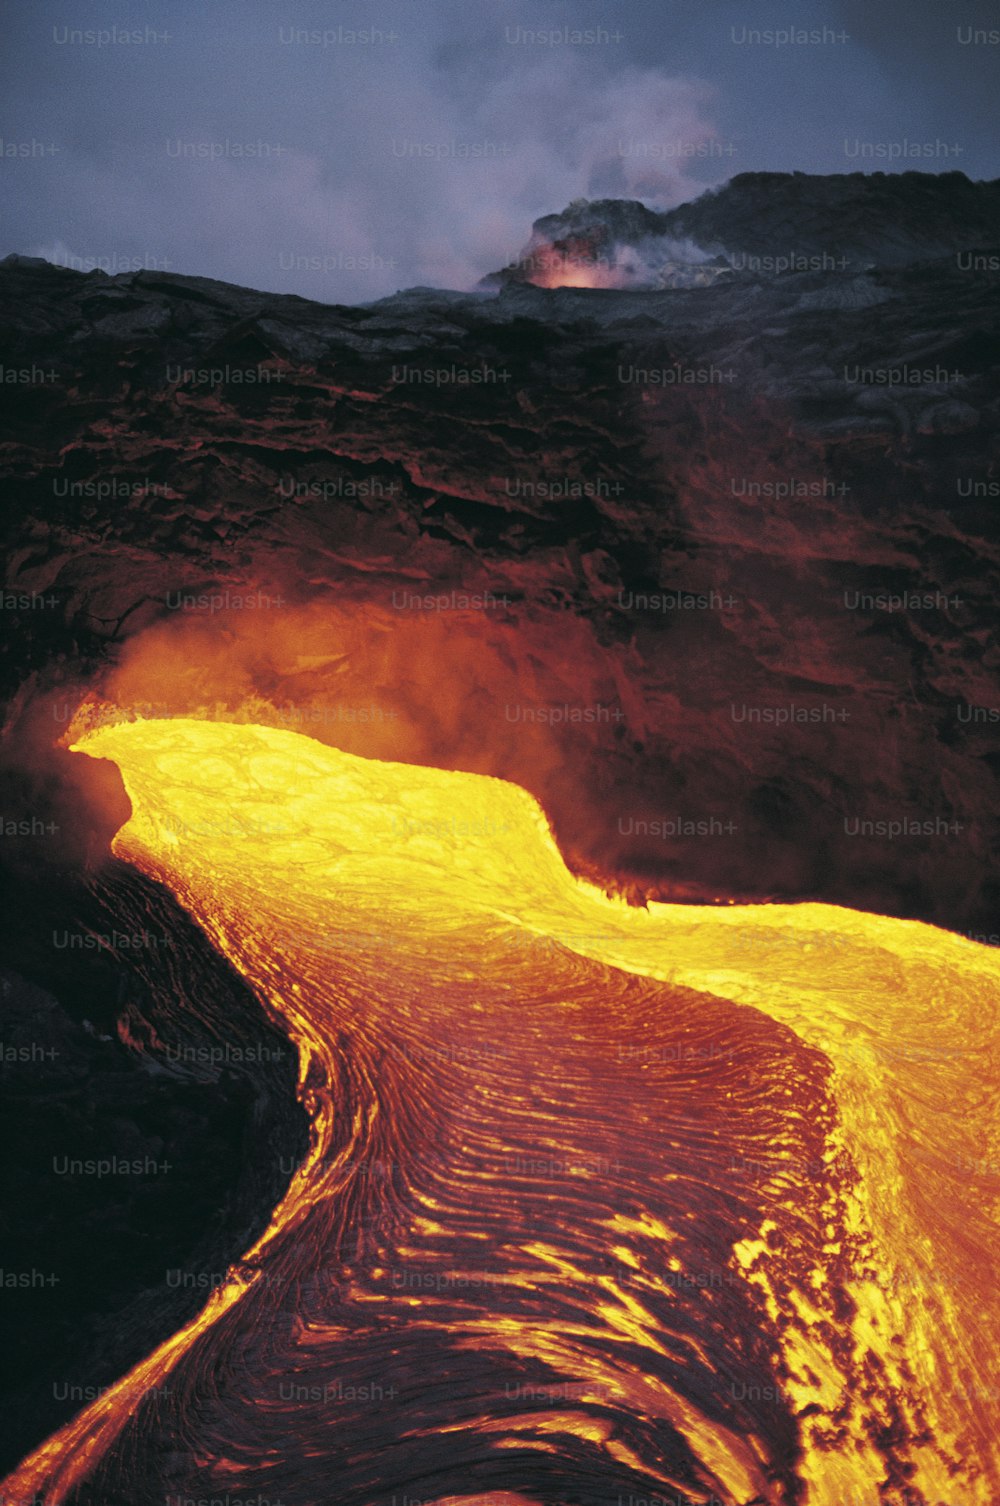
(367, 903)
(552, 269)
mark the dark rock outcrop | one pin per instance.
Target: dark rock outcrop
(745, 534)
(150, 1125)
(763, 223)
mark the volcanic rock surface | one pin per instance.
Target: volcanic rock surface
(150, 1125)
(764, 223)
(710, 570)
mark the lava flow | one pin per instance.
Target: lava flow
(602, 1204)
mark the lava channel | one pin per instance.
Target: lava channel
(602, 1204)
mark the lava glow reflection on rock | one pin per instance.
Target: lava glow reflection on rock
(687, 1203)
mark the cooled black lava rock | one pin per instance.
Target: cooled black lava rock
(747, 530)
(151, 1127)
(767, 224)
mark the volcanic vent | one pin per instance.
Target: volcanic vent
(771, 223)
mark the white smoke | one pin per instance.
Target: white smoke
(424, 160)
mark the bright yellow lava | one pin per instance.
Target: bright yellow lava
(260, 832)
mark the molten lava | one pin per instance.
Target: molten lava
(601, 1202)
(577, 267)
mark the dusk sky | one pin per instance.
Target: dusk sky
(264, 143)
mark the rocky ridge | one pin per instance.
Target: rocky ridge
(763, 223)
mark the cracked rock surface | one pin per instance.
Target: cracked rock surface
(711, 571)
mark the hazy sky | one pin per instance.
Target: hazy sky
(265, 143)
